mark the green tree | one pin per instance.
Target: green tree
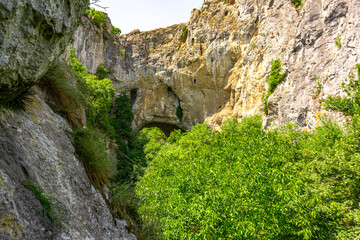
(245, 183)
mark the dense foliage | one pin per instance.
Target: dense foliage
(274, 78)
(98, 17)
(101, 72)
(247, 183)
(116, 30)
(297, 3)
(99, 93)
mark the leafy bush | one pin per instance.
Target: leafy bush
(349, 105)
(297, 3)
(101, 72)
(52, 208)
(122, 52)
(338, 41)
(91, 148)
(125, 204)
(274, 78)
(245, 183)
(115, 30)
(98, 17)
(131, 167)
(64, 96)
(99, 93)
(122, 116)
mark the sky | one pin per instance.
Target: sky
(148, 14)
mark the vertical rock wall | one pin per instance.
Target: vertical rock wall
(35, 146)
(217, 65)
(33, 33)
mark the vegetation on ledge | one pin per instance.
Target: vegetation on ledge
(274, 78)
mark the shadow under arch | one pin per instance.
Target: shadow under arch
(165, 127)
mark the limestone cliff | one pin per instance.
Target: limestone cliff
(37, 157)
(33, 33)
(215, 65)
(35, 147)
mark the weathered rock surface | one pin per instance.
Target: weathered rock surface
(219, 71)
(33, 33)
(35, 147)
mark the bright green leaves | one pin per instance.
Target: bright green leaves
(101, 72)
(349, 105)
(98, 17)
(115, 30)
(245, 183)
(99, 92)
(274, 78)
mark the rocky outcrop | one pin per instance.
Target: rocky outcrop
(216, 67)
(38, 165)
(35, 147)
(33, 33)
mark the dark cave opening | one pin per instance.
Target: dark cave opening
(165, 127)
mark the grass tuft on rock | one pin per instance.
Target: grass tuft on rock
(53, 210)
(64, 97)
(19, 102)
(91, 148)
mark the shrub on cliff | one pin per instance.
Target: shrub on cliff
(99, 94)
(274, 78)
(55, 211)
(98, 17)
(349, 105)
(115, 30)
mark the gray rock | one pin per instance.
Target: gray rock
(33, 33)
(35, 146)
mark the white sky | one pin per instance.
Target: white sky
(148, 14)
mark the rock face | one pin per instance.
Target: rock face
(35, 147)
(35, 144)
(33, 33)
(217, 68)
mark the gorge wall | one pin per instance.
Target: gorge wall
(35, 142)
(215, 66)
(33, 33)
(211, 68)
